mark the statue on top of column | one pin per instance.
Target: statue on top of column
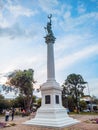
(49, 36)
(49, 29)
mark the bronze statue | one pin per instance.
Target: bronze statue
(49, 34)
(48, 28)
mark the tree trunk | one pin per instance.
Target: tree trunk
(76, 94)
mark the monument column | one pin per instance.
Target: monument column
(51, 113)
(50, 39)
(50, 62)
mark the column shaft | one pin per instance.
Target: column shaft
(50, 62)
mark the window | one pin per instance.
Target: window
(57, 99)
(47, 99)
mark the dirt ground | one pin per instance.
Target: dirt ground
(83, 125)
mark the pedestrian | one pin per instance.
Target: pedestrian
(12, 113)
(7, 113)
(23, 112)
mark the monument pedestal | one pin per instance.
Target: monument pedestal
(51, 113)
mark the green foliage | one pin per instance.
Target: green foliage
(22, 82)
(73, 87)
(1, 97)
(19, 102)
(4, 103)
(94, 100)
(68, 102)
(83, 105)
(39, 102)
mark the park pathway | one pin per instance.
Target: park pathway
(81, 126)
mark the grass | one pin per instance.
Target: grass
(83, 113)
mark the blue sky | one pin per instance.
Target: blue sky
(75, 26)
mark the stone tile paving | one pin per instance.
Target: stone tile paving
(81, 126)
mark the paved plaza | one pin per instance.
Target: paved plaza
(81, 126)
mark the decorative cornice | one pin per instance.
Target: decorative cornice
(49, 39)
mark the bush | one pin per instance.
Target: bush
(17, 113)
(27, 114)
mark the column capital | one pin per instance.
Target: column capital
(49, 39)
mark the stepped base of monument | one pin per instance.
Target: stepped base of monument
(52, 117)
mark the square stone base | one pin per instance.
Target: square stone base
(52, 118)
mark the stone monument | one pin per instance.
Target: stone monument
(51, 113)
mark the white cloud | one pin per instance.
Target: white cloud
(18, 10)
(69, 41)
(23, 54)
(11, 11)
(14, 7)
(2, 79)
(12, 32)
(66, 61)
(84, 21)
(18, 31)
(49, 6)
(81, 8)
(92, 87)
(67, 15)
(9, 95)
(3, 21)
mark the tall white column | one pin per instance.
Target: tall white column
(51, 113)
(50, 62)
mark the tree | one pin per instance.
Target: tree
(1, 97)
(4, 103)
(22, 82)
(83, 105)
(39, 102)
(94, 100)
(69, 103)
(74, 86)
(21, 100)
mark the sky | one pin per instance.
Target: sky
(75, 26)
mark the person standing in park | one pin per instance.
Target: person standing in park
(12, 113)
(7, 113)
